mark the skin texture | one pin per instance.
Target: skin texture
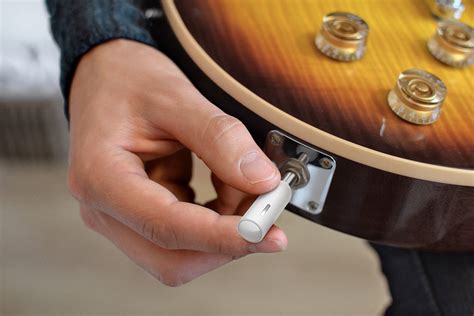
(134, 120)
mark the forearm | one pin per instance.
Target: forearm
(78, 26)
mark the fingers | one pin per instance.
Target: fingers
(228, 198)
(174, 173)
(197, 228)
(119, 126)
(222, 141)
(171, 267)
(122, 189)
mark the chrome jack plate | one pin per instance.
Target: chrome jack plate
(280, 148)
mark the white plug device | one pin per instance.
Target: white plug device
(266, 209)
(264, 212)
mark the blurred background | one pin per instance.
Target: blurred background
(50, 264)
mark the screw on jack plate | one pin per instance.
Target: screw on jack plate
(325, 163)
(312, 206)
(276, 139)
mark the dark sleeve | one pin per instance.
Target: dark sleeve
(79, 25)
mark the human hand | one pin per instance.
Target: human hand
(132, 112)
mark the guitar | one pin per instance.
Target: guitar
(394, 182)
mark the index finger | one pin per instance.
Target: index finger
(127, 194)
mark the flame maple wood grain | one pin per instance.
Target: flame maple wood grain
(268, 46)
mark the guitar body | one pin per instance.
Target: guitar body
(395, 183)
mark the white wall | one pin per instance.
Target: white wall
(29, 62)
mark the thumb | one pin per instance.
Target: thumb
(227, 148)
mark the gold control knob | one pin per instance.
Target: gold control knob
(447, 9)
(343, 36)
(453, 43)
(417, 97)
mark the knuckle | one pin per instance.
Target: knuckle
(159, 233)
(174, 272)
(230, 245)
(87, 218)
(171, 276)
(75, 185)
(220, 126)
(221, 246)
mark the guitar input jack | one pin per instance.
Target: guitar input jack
(266, 209)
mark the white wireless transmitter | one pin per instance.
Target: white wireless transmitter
(266, 209)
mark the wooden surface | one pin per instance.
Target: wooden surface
(363, 201)
(267, 45)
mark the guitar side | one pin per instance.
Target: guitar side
(364, 200)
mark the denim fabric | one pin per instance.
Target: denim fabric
(78, 26)
(426, 283)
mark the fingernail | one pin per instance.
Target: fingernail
(256, 168)
(268, 246)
